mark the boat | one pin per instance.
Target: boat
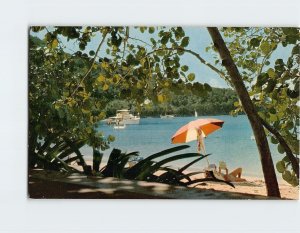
(123, 116)
(167, 116)
(119, 126)
(196, 113)
(252, 137)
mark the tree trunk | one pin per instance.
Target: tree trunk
(258, 130)
(32, 140)
(97, 156)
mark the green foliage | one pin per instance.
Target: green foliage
(218, 101)
(185, 42)
(147, 168)
(280, 166)
(56, 153)
(69, 93)
(116, 163)
(283, 167)
(191, 77)
(274, 88)
(54, 112)
(215, 101)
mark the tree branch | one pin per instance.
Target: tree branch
(264, 62)
(202, 60)
(91, 67)
(281, 140)
(125, 41)
(133, 38)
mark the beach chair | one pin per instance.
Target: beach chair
(222, 166)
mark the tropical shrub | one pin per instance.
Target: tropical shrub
(147, 169)
(61, 155)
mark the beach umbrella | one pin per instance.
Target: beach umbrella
(197, 130)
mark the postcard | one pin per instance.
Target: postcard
(153, 112)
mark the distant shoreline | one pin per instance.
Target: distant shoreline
(208, 115)
(200, 115)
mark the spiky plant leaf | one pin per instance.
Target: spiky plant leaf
(193, 162)
(135, 170)
(78, 144)
(156, 166)
(214, 179)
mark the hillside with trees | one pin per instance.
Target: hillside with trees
(220, 101)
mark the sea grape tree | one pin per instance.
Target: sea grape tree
(68, 91)
(272, 80)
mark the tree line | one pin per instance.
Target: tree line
(219, 101)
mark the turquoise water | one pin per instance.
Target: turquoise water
(232, 143)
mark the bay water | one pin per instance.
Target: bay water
(232, 143)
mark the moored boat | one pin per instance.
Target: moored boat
(167, 116)
(123, 116)
(119, 126)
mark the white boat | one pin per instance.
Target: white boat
(252, 137)
(196, 113)
(166, 116)
(120, 126)
(123, 116)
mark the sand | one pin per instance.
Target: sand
(252, 185)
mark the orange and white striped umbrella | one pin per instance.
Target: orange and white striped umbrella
(190, 131)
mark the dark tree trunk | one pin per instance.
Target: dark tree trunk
(283, 143)
(32, 139)
(97, 157)
(258, 129)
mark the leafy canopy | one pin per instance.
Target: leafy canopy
(272, 81)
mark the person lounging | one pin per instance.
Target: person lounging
(234, 176)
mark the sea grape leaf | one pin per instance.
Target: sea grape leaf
(280, 149)
(287, 176)
(105, 87)
(191, 77)
(185, 42)
(280, 165)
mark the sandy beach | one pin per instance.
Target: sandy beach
(252, 185)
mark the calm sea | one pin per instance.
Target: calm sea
(232, 143)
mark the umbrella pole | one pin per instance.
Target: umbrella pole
(206, 158)
(201, 144)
